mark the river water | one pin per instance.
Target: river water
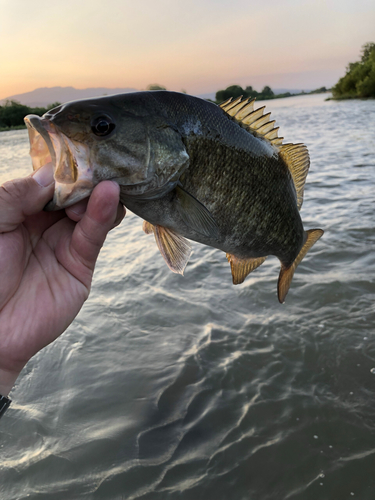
(169, 387)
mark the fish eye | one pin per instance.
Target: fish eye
(102, 126)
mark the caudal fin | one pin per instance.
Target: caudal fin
(286, 273)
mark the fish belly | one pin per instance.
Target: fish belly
(252, 201)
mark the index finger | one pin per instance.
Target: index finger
(90, 232)
(20, 198)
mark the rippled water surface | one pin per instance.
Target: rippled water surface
(169, 387)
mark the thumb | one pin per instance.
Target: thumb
(20, 198)
(78, 252)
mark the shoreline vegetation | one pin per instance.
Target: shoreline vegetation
(267, 93)
(357, 83)
(12, 112)
(359, 80)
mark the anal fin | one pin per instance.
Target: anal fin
(174, 248)
(147, 227)
(286, 273)
(242, 267)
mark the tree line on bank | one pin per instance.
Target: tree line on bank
(237, 91)
(12, 113)
(359, 80)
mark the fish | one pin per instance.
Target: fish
(191, 169)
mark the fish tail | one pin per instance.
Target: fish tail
(286, 273)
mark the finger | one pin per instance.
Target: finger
(37, 224)
(77, 211)
(91, 231)
(20, 198)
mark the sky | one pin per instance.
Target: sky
(200, 46)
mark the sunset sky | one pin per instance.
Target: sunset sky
(197, 45)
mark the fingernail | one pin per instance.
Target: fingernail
(115, 183)
(44, 175)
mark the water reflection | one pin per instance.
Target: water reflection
(187, 387)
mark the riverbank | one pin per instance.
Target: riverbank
(349, 98)
(16, 127)
(40, 111)
(12, 114)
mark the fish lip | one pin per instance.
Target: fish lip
(37, 126)
(70, 159)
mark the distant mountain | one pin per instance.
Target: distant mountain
(48, 95)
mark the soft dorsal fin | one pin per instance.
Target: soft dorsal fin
(242, 267)
(297, 159)
(174, 248)
(255, 121)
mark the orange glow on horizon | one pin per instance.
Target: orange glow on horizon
(201, 48)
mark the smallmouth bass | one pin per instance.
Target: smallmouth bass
(219, 175)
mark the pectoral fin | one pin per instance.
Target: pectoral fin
(195, 215)
(242, 267)
(286, 273)
(174, 248)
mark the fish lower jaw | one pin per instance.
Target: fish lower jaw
(66, 195)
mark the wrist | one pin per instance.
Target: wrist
(7, 380)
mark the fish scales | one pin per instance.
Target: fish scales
(190, 169)
(249, 199)
(247, 192)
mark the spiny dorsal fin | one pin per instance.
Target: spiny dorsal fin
(297, 159)
(254, 121)
(242, 267)
(174, 248)
(223, 104)
(228, 104)
(286, 273)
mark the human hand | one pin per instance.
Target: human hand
(47, 261)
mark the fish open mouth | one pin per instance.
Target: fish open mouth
(73, 171)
